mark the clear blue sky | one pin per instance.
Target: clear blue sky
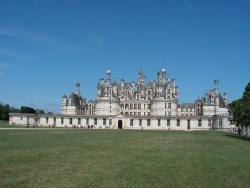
(47, 46)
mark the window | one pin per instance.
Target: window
(135, 106)
(148, 106)
(168, 91)
(139, 106)
(220, 122)
(159, 122)
(140, 122)
(21, 118)
(104, 121)
(188, 122)
(168, 97)
(95, 121)
(62, 120)
(70, 121)
(131, 106)
(139, 113)
(168, 122)
(131, 122)
(209, 122)
(177, 122)
(165, 105)
(148, 122)
(199, 123)
(148, 113)
(79, 121)
(169, 113)
(47, 120)
(87, 121)
(110, 121)
(169, 105)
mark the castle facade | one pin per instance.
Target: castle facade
(136, 105)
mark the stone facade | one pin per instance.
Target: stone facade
(137, 105)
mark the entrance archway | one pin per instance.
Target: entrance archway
(120, 124)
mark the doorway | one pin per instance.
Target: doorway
(120, 124)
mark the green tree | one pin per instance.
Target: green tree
(39, 111)
(1, 110)
(5, 112)
(14, 110)
(240, 109)
(27, 110)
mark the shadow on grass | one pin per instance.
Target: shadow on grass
(236, 136)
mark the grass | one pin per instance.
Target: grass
(5, 124)
(122, 158)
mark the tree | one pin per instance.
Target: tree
(240, 109)
(39, 111)
(14, 110)
(1, 109)
(27, 110)
(5, 112)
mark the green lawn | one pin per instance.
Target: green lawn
(122, 158)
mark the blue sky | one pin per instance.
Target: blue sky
(48, 46)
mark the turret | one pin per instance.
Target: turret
(216, 86)
(64, 100)
(225, 98)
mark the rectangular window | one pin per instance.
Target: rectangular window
(169, 113)
(220, 122)
(70, 121)
(177, 122)
(168, 122)
(87, 121)
(95, 121)
(104, 121)
(148, 106)
(110, 121)
(131, 122)
(199, 123)
(139, 113)
(21, 118)
(62, 120)
(140, 122)
(47, 120)
(148, 122)
(79, 121)
(188, 123)
(209, 122)
(168, 91)
(169, 105)
(135, 106)
(159, 122)
(139, 106)
(165, 105)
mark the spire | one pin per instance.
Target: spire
(216, 83)
(78, 88)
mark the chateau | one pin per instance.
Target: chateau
(136, 105)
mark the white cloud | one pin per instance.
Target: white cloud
(42, 40)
